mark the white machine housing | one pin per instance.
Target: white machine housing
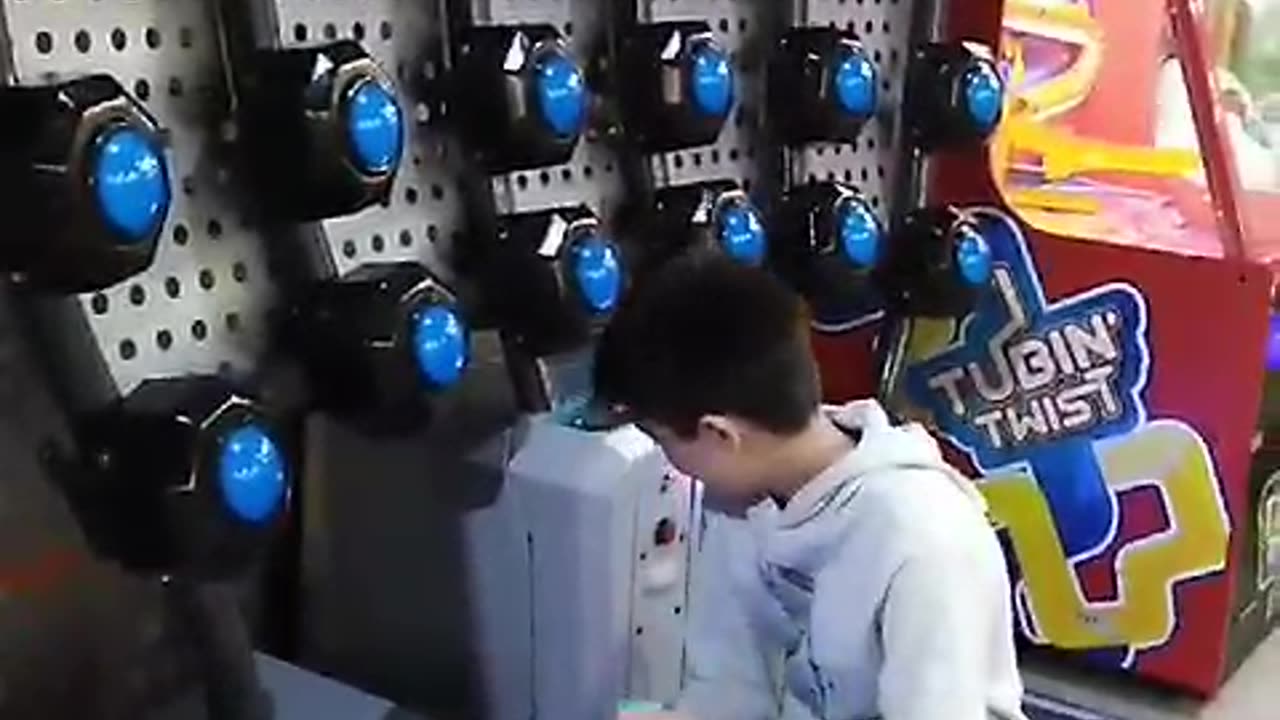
(579, 573)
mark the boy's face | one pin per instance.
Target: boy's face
(719, 454)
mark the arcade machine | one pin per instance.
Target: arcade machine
(152, 435)
(1073, 386)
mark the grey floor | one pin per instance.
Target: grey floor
(1253, 693)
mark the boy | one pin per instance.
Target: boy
(850, 564)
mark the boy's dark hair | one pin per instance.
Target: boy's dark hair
(706, 335)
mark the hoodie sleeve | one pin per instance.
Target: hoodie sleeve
(936, 634)
(728, 675)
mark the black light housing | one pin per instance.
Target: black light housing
(954, 97)
(822, 85)
(829, 242)
(322, 130)
(708, 217)
(183, 475)
(86, 184)
(675, 84)
(554, 278)
(937, 265)
(379, 344)
(519, 96)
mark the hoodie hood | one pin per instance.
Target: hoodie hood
(813, 522)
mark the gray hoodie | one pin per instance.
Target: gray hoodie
(879, 591)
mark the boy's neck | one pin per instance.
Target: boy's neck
(800, 458)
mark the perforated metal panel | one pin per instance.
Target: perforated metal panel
(200, 307)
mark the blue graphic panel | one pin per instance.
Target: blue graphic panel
(1032, 383)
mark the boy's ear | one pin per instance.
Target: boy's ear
(722, 430)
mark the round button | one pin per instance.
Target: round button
(855, 83)
(130, 183)
(860, 233)
(973, 257)
(742, 234)
(375, 127)
(983, 96)
(562, 94)
(439, 345)
(598, 273)
(711, 80)
(251, 474)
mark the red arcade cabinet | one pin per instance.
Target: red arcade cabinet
(1106, 390)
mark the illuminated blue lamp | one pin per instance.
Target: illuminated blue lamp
(860, 233)
(439, 345)
(1273, 345)
(251, 474)
(130, 183)
(973, 258)
(742, 234)
(982, 91)
(562, 94)
(375, 128)
(711, 79)
(854, 81)
(598, 273)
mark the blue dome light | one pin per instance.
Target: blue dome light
(855, 84)
(598, 273)
(973, 258)
(375, 128)
(982, 91)
(251, 474)
(712, 81)
(439, 345)
(130, 183)
(562, 94)
(860, 233)
(742, 234)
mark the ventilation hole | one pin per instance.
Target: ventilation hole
(206, 279)
(83, 41)
(384, 30)
(406, 238)
(640, 630)
(349, 248)
(715, 156)
(566, 175)
(199, 330)
(181, 234)
(733, 154)
(378, 243)
(677, 610)
(411, 195)
(99, 304)
(848, 175)
(300, 32)
(188, 185)
(239, 271)
(865, 175)
(742, 25)
(677, 161)
(568, 29)
(522, 182)
(137, 295)
(175, 87)
(357, 30)
(118, 39)
(433, 233)
(214, 229)
(233, 322)
(437, 192)
(330, 31)
(172, 287)
(128, 350)
(164, 339)
(724, 25)
(544, 177)
(608, 168)
(151, 37)
(588, 172)
(142, 89)
(697, 159)
(185, 37)
(44, 42)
